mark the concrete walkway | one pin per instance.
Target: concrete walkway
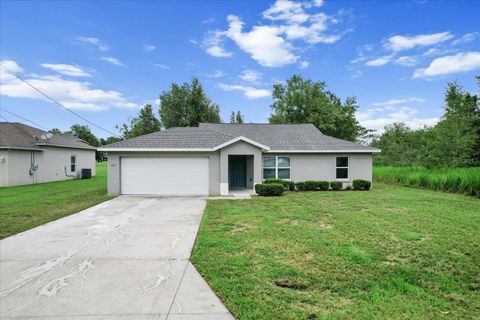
(126, 258)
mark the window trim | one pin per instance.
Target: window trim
(73, 163)
(276, 167)
(347, 167)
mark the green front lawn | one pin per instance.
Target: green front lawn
(389, 253)
(25, 207)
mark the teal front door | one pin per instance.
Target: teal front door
(237, 171)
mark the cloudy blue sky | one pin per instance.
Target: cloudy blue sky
(106, 59)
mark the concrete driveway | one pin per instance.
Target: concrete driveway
(126, 258)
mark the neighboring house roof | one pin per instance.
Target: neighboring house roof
(14, 135)
(211, 137)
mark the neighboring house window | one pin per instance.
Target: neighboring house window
(276, 167)
(73, 163)
(342, 167)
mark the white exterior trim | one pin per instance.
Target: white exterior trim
(241, 138)
(324, 151)
(223, 189)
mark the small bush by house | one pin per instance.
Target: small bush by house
(323, 185)
(301, 186)
(311, 185)
(288, 185)
(360, 184)
(336, 185)
(269, 189)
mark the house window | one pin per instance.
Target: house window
(276, 167)
(342, 168)
(73, 163)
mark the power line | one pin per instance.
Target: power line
(20, 117)
(58, 103)
(13, 124)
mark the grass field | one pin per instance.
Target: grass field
(458, 180)
(25, 207)
(389, 253)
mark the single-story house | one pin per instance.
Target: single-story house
(215, 159)
(30, 155)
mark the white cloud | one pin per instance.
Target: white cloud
(263, 43)
(378, 62)
(95, 42)
(407, 61)
(209, 20)
(67, 69)
(273, 44)
(467, 37)
(248, 92)
(213, 44)
(113, 60)
(162, 66)
(11, 66)
(217, 74)
(250, 76)
(303, 64)
(149, 47)
(460, 62)
(73, 94)
(376, 120)
(400, 43)
(394, 102)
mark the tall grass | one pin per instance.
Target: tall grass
(459, 180)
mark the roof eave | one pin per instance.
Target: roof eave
(325, 151)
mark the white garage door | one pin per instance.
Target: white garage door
(164, 175)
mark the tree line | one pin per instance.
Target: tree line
(453, 141)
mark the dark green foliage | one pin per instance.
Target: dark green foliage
(236, 117)
(301, 186)
(311, 185)
(269, 189)
(323, 185)
(336, 185)
(187, 105)
(454, 141)
(145, 123)
(360, 184)
(83, 132)
(288, 185)
(109, 140)
(55, 131)
(306, 101)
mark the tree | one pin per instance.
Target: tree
(55, 131)
(145, 123)
(187, 105)
(306, 101)
(84, 133)
(236, 117)
(109, 140)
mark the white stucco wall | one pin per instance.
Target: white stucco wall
(323, 166)
(51, 165)
(3, 168)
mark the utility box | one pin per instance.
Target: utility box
(86, 173)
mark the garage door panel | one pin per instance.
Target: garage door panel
(164, 175)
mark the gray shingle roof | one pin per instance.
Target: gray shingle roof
(20, 136)
(281, 137)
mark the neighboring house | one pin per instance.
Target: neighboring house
(30, 155)
(217, 158)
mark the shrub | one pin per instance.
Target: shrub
(273, 180)
(269, 189)
(288, 185)
(311, 185)
(360, 184)
(336, 185)
(301, 186)
(323, 185)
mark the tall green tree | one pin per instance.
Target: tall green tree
(187, 105)
(55, 131)
(145, 123)
(307, 101)
(83, 132)
(109, 140)
(236, 117)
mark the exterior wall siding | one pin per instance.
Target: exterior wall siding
(51, 165)
(3, 168)
(323, 166)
